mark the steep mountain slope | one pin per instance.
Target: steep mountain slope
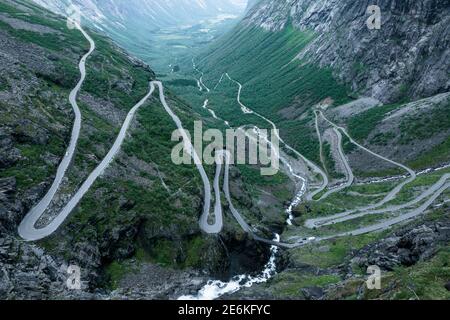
(408, 56)
(142, 212)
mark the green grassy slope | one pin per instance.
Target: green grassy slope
(273, 82)
(264, 63)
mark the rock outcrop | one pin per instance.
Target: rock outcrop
(405, 247)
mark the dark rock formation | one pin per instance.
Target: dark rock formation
(406, 247)
(313, 293)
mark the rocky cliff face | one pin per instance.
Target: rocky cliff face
(408, 57)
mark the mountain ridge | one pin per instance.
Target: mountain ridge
(409, 55)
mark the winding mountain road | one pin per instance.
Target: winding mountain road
(226, 190)
(432, 193)
(310, 164)
(386, 224)
(315, 223)
(410, 171)
(217, 226)
(26, 228)
(219, 82)
(319, 137)
(212, 223)
(350, 177)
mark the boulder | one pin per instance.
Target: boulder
(406, 247)
(313, 293)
